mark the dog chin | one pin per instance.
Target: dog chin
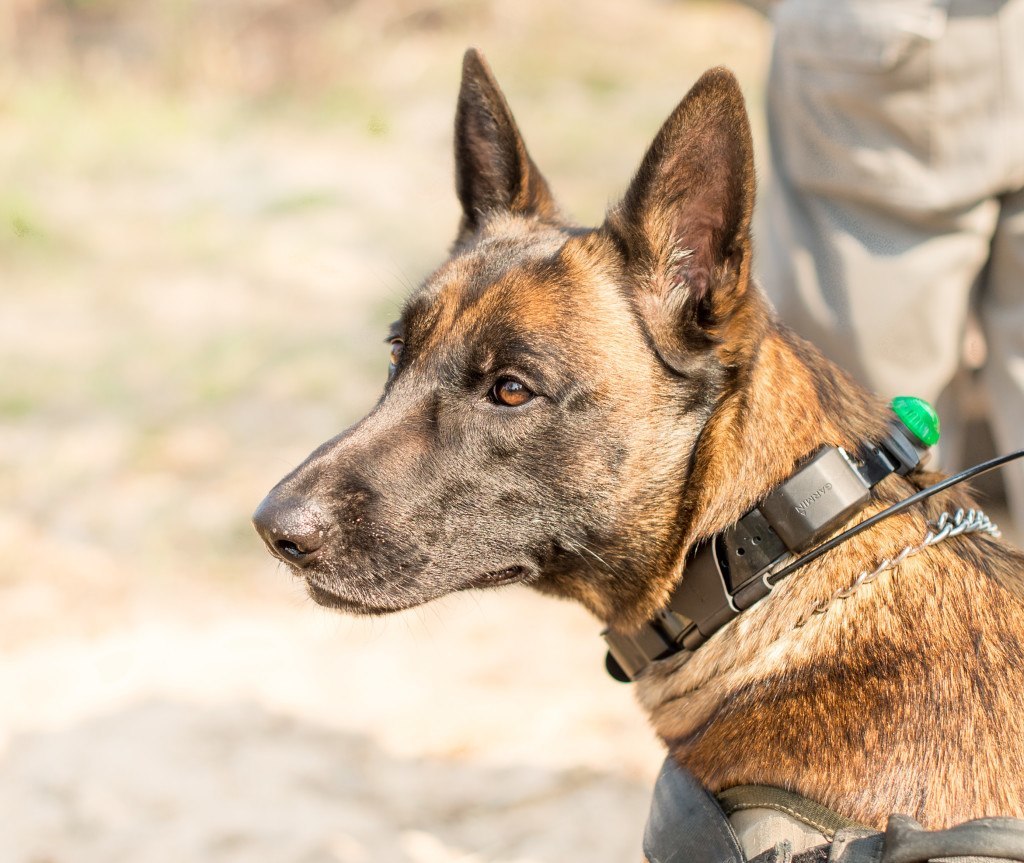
(389, 604)
(359, 607)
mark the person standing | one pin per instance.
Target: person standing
(897, 194)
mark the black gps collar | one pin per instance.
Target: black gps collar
(727, 574)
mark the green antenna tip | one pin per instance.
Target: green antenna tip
(919, 417)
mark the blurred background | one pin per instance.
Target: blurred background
(209, 211)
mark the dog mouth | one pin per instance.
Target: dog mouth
(331, 598)
(509, 575)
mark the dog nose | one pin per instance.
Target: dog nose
(292, 529)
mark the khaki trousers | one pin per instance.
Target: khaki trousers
(897, 194)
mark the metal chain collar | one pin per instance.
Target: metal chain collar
(946, 526)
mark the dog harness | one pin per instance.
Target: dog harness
(760, 824)
(738, 567)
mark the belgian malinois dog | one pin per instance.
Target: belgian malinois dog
(574, 409)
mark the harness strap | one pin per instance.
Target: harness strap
(852, 845)
(686, 823)
(821, 818)
(761, 829)
(984, 840)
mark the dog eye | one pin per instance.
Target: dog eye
(397, 346)
(510, 393)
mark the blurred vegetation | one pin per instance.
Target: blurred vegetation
(209, 211)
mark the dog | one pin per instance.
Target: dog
(577, 409)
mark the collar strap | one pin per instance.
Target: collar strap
(728, 573)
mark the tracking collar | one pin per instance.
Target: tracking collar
(728, 573)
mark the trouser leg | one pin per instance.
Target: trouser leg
(871, 235)
(1002, 306)
(895, 321)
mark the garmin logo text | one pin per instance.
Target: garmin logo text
(813, 498)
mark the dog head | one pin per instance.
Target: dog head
(547, 383)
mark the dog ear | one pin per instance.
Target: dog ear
(684, 223)
(493, 171)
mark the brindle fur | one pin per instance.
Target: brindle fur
(669, 400)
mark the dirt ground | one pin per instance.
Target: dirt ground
(208, 213)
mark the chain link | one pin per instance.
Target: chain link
(946, 526)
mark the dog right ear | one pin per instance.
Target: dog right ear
(684, 223)
(493, 170)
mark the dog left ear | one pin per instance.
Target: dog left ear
(493, 170)
(684, 223)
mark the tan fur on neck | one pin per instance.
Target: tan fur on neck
(906, 697)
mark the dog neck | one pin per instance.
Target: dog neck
(725, 570)
(792, 402)
(811, 707)
(785, 402)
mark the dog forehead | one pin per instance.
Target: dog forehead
(520, 272)
(522, 276)
(468, 275)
